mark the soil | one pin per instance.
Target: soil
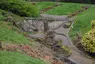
(39, 51)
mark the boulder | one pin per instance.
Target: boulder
(27, 26)
(67, 25)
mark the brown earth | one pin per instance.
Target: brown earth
(37, 52)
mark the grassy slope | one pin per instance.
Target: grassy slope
(17, 58)
(42, 5)
(8, 34)
(65, 8)
(83, 22)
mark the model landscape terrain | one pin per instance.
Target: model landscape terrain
(47, 32)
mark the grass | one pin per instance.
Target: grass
(83, 22)
(1, 16)
(4, 14)
(8, 34)
(65, 9)
(43, 5)
(17, 58)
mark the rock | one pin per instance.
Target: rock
(33, 3)
(68, 61)
(38, 35)
(9, 19)
(67, 25)
(54, 24)
(85, 7)
(58, 4)
(27, 26)
(57, 62)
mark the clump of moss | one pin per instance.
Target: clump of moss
(67, 50)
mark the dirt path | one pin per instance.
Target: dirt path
(75, 56)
